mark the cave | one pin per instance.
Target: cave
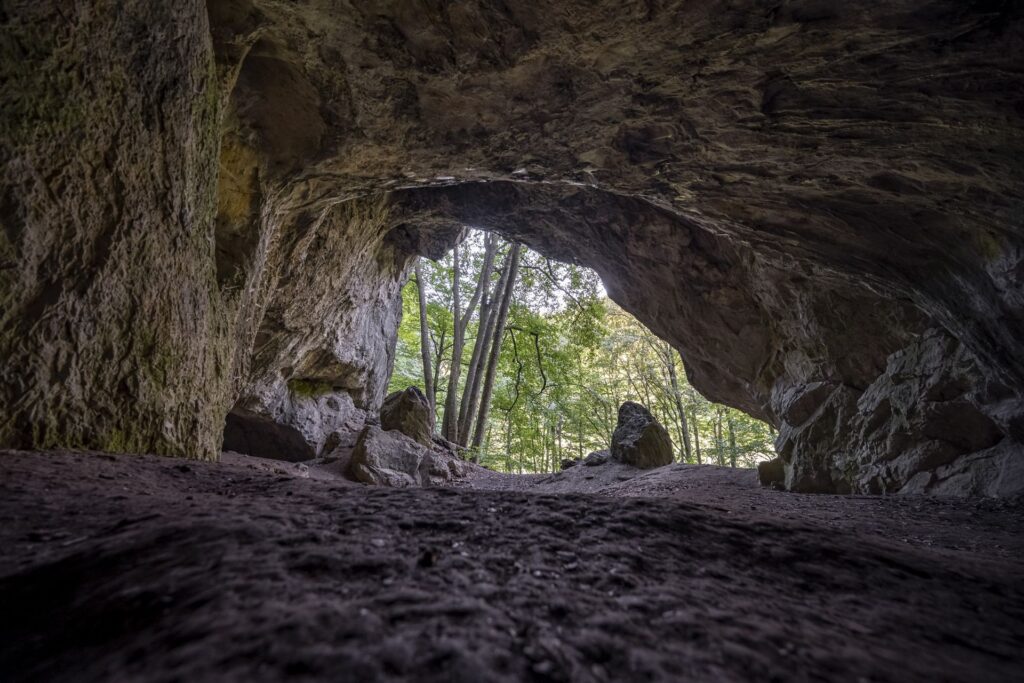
(209, 210)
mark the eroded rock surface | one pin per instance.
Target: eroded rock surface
(305, 421)
(825, 197)
(388, 459)
(112, 335)
(772, 473)
(409, 412)
(242, 573)
(640, 440)
(392, 459)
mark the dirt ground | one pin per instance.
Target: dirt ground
(139, 568)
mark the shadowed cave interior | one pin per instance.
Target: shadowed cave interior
(209, 212)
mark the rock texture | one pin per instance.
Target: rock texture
(772, 473)
(305, 421)
(640, 440)
(409, 412)
(237, 572)
(390, 458)
(207, 206)
(111, 334)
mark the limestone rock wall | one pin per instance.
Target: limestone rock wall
(112, 333)
(925, 424)
(324, 339)
(211, 208)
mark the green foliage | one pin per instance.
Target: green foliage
(570, 357)
(408, 371)
(307, 388)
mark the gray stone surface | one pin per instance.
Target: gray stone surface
(772, 473)
(905, 431)
(390, 458)
(300, 425)
(409, 412)
(640, 440)
(110, 337)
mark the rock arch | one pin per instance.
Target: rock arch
(825, 195)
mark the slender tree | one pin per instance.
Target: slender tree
(732, 440)
(450, 425)
(499, 334)
(719, 437)
(677, 396)
(440, 348)
(449, 428)
(485, 331)
(696, 434)
(428, 376)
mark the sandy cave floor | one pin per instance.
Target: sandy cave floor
(131, 568)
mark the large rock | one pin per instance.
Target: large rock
(772, 473)
(228, 204)
(639, 440)
(306, 421)
(409, 412)
(389, 458)
(904, 431)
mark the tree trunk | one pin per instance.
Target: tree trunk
(450, 427)
(579, 426)
(719, 445)
(696, 434)
(438, 358)
(674, 381)
(558, 433)
(732, 441)
(508, 442)
(490, 245)
(485, 330)
(499, 334)
(645, 383)
(428, 377)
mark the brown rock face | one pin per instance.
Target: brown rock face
(212, 208)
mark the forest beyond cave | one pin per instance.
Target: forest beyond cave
(569, 357)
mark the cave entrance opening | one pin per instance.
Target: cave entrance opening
(544, 360)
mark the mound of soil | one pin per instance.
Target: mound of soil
(124, 568)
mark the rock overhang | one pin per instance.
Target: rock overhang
(836, 184)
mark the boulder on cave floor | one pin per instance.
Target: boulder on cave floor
(390, 458)
(596, 458)
(772, 473)
(640, 440)
(408, 411)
